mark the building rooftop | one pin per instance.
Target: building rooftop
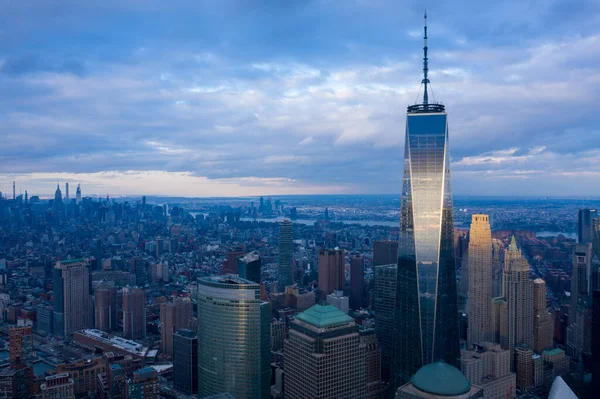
(323, 315)
(441, 379)
(552, 352)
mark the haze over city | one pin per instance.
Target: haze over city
(241, 98)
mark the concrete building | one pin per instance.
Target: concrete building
(543, 325)
(323, 357)
(134, 313)
(357, 282)
(580, 330)
(331, 271)
(175, 315)
(497, 267)
(58, 386)
(143, 385)
(524, 366)
(72, 297)
(439, 380)
(233, 338)
(106, 308)
(479, 308)
(185, 361)
(488, 365)
(340, 301)
(558, 359)
(20, 345)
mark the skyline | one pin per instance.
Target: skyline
(243, 99)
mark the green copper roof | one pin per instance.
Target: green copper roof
(324, 315)
(552, 352)
(513, 245)
(441, 379)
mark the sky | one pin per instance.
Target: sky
(264, 97)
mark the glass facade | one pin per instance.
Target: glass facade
(427, 316)
(233, 338)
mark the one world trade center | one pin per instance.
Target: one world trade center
(426, 319)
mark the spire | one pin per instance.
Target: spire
(425, 80)
(513, 244)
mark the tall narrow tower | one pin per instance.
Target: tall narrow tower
(67, 192)
(426, 300)
(480, 281)
(286, 255)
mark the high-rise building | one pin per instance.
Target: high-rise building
(185, 361)
(427, 310)
(323, 357)
(14, 191)
(517, 305)
(595, 273)
(385, 252)
(134, 313)
(175, 315)
(584, 225)
(357, 282)
(21, 345)
(233, 338)
(138, 267)
(67, 192)
(106, 308)
(331, 271)
(488, 365)
(78, 195)
(374, 386)
(58, 386)
(524, 366)
(230, 265)
(384, 304)
(72, 297)
(558, 359)
(497, 267)
(596, 338)
(249, 266)
(579, 329)
(286, 254)
(580, 280)
(143, 385)
(479, 308)
(543, 324)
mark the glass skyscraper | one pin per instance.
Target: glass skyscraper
(426, 300)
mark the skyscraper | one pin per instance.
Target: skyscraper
(72, 297)
(385, 252)
(134, 313)
(185, 361)
(78, 195)
(14, 191)
(497, 267)
(584, 226)
(357, 281)
(384, 304)
(233, 338)
(249, 266)
(427, 311)
(480, 281)
(543, 324)
(175, 315)
(517, 305)
(580, 279)
(323, 358)
(67, 192)
(331, 271)
(106, 308)
(138, 267)
(286, 254)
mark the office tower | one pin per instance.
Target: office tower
(58, 386)
(497, 267)
(14, 191)
(524, 366)
(584, 225)
(322, 355)
(57, 205)
(538, 370)
(249, 266)
(543, 324)
(579, 329)
(595, 272)
(233, 338)
(175, 315)
(185, 361)
(427, 310)
(26, 197)
(439, 380)
(138, 267)
(357, 282)
(286, 254)
(106, 308)
(21, 345)
(134, 313)
(331, 271)
(518, 300)
(375, 388)
(45, 319)
(385, 252)
(384, 304)
(78, 195)
(480, 280)
(67, 192)
(143, 385)
(488, 365)
(596, 338)
(72, 297)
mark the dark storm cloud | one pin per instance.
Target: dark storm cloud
(309, 92)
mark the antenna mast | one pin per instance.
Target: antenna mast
(425, 80)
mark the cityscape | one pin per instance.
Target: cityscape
(298, 287)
